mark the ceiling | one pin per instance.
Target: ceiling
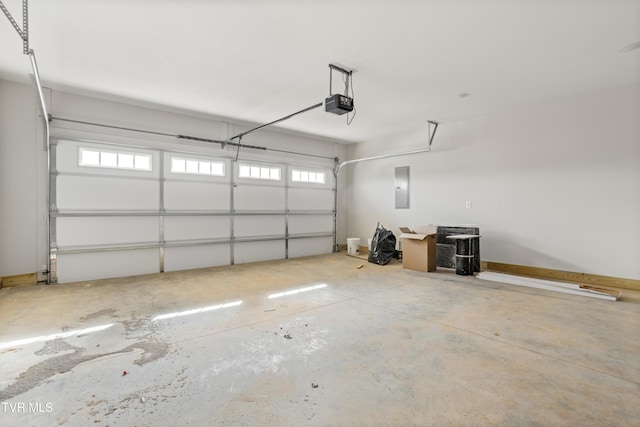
(259, 60)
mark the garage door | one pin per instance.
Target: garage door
(121, 210)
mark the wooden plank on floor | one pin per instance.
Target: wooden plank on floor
(567, 288)
(568, 276)
(19, 280)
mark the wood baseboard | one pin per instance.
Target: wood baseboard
(565, 276)
(19, 280)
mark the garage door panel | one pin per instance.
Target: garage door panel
(102, 193)
(259, 197)
(75, 267)
(259, 251)
(196, 227)
(310, 199)
(189, 257)
(300, 224)
(252, 225)
(106, 199)
(100, 231)
(310, 246)
(196, 196)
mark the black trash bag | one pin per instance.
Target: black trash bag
(383, 246)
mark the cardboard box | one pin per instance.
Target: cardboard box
(419, 247)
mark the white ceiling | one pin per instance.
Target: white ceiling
(260, 60)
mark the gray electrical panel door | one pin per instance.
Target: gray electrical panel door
(402, 187)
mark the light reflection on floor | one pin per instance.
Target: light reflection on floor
(297, 291)
(45, 338)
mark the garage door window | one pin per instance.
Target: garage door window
(259, 172)
(196, 166)
(298, 175)
(90, 157)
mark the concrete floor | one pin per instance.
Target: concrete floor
(375, 346)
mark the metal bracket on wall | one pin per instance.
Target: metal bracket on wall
(52, 210)
(24, 31)
(24, 35)
(432, 133)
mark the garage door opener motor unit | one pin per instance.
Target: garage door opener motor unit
(338, 103)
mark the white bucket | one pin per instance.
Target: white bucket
(353, 246)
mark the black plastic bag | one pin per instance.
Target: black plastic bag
(383, 246)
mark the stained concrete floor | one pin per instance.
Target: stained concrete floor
(315, 341)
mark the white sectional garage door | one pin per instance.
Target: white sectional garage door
(121, 210)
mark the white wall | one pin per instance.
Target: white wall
(23, 160)
(18, 178)
(554, 185)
